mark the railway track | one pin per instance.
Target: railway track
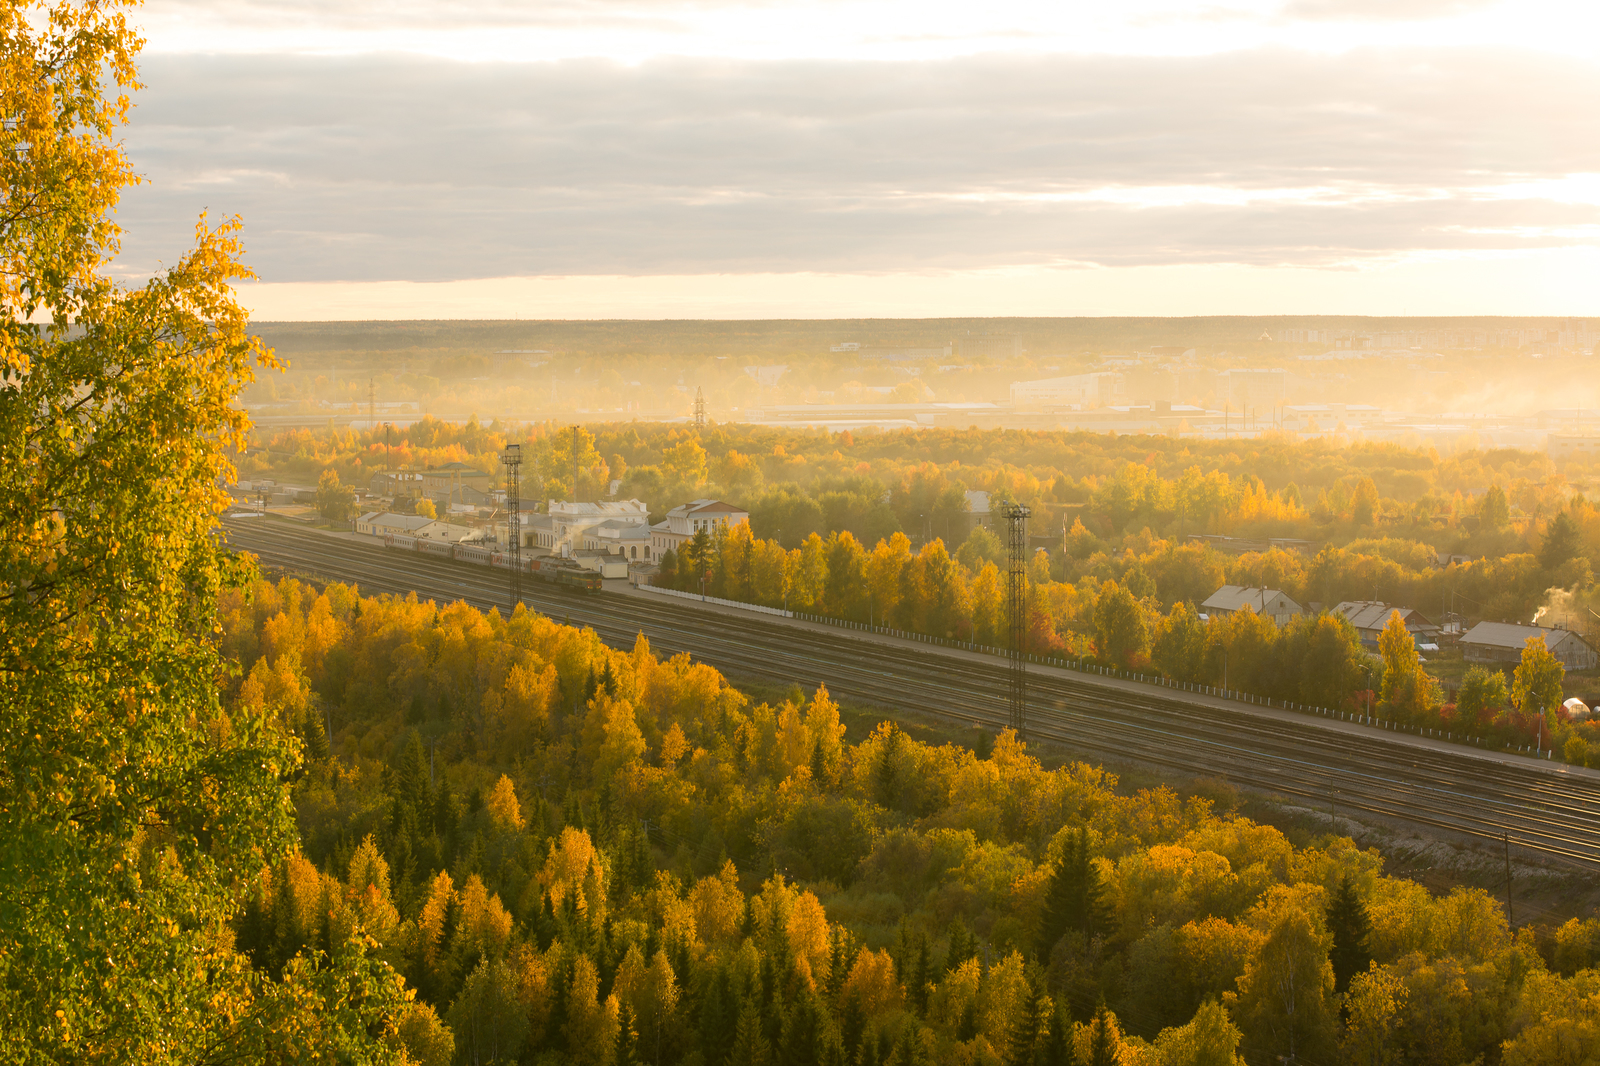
(1547, 808)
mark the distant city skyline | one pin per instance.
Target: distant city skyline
(658, 159)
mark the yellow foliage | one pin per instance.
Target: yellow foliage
(872, 982)
(718, 905)
(504, 810)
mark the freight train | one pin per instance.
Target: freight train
(563, 572)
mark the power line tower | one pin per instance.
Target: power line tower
(512, 458)
(1016, 517)
(699, 408)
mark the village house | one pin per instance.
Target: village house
(1501, 643)
(1271, 602)
(1370, 616)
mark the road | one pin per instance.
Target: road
(1549, 808)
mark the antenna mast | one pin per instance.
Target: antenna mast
(512, 458)
(1016, 517)
(699, 408)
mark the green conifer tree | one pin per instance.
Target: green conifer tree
(1073, 898)
(1349, 924)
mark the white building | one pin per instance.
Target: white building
(629, 540)
(569, 519)
(1080, 389)
(685, 520)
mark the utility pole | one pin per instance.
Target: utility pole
(512, 458)
(1511, 920)
(575, 449)
(699, 408)
(1016, 517)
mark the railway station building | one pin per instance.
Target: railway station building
(687, 519)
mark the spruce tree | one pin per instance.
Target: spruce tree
(750, 1046)
(921, 975)
(852, 1025)
(316, 738)
(1073, 899)
(718, 1015)
(1023, 1039)
(909, 1050)
(1102, 1042)
(627, 1051)
(819, 765)
(802, 1040)
(1349, 924)
(1058, 1050)
(961, 947)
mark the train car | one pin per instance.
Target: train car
(579, 579)
(437, 547)
(474, 553)
(400, 542)
(567, 574)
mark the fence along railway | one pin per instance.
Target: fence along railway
(1546, 808)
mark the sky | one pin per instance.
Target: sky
(890, 158)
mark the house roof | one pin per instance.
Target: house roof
(1373, 614)
(1238, 597)
(396, 521)
(568, 509)
(702, 506)
(611, 527)
(1510, 635)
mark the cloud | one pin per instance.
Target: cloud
(1380, 10)
(401, 168)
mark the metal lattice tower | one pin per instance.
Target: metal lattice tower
(1016, 517)
(699, 408)
(512, 458)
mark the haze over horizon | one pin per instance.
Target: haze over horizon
(667, 159)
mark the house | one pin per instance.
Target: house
(978, 511)
(448, 482)
(602, 562)
(1502, 642)
(1231, 598)
(687, 519)
(381, 523)
(465, 496)
(1370, 616)
(446, 531)
(396, 483)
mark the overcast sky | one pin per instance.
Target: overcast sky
(654, 158)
